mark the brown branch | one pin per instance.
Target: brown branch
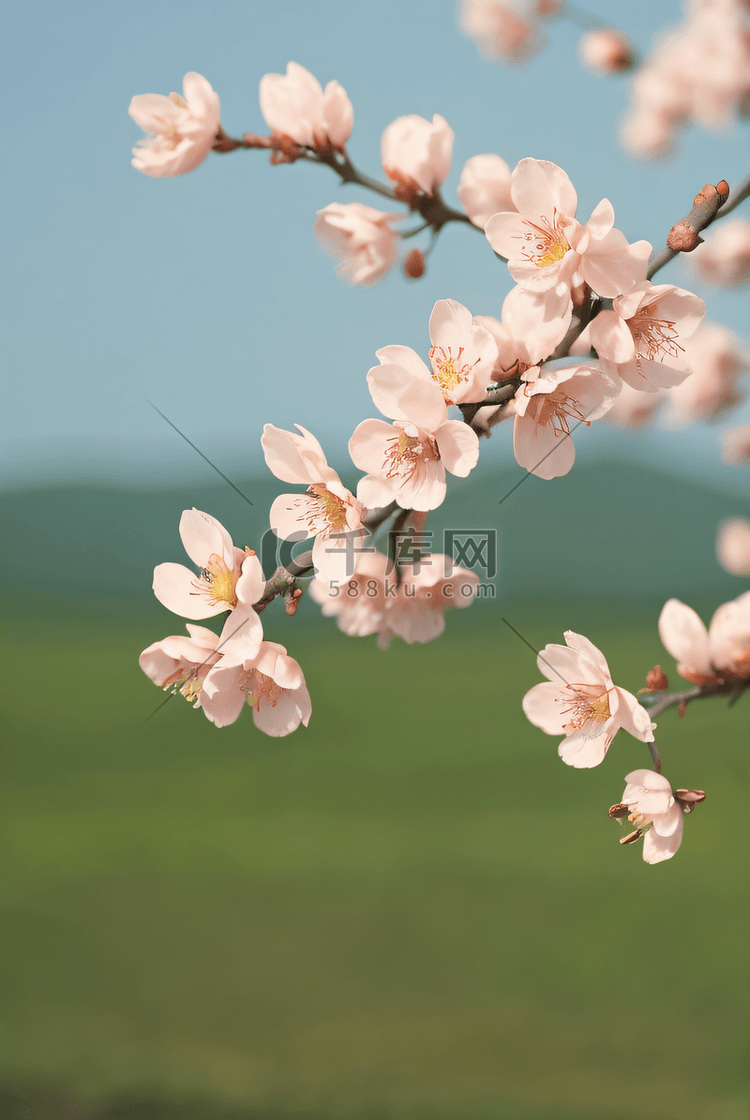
(731, 688)
(709, 205)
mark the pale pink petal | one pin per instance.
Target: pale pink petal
(540, 188)
(459, 447)
(223, 699)
(375, 492)
(657, 848)
(338, 114)
(564, 665)
(175, 588)
(293, 458)
(610, 337)
(484, 188)
(684, 636)
(505, 232)
(285, 716)
(540, 450)
(405, 357)
(400, 395)
(634, 718)
(542, 707)
(584, 751)
(289, 516)
(589, 652)
(202, 100)
(251, 584)
(612, 266)
(202, 536)
(368, 445)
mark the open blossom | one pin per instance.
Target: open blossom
(229, 578)
(724, 257)
(417, 154)
(182, 129)
(718, 360)
(373, 601)
(265, 678)
(361, 237)
(524, 335)
(736, 445)
(733, 546)
(484, 188)
(327, 511)
(295, 105)
(652, 802)
(506, 31)
(581, 701)
(182, 663)
(641, 338)
(549, 251)
(705, 656)
(543, 409)
(411, 455)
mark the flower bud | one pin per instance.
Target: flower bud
(606, 51)
(656, 679)
(414, 264)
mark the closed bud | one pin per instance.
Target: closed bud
(606, 51)
(414, 264)
(656, 679)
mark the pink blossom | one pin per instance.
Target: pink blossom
(228, 577)
(653, 807)
(581, 701)
(182, 663)
(327, 511)
(606, 51)
(417, 154)
(505, 31)
(543, 409)
(724, 257)
(361, 237)
(705, 656)
(737, 445)
(412, 454)
(373, 601)
(525, 335)
(295, 105)
(484, 188)
(733, 546)
(183, 129)
(641, 337)
(549, 251)
(718, 359)
(267, 679)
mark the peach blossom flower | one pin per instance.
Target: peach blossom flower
(361, 237)
(543, 409)
(296, 105)
(182, 663)
(641, 337)
(327, 511)
(229, 577)
(505, 31)
(417, 154)
(412, 454)
(737, 445)
(183, 129)
(653, 807)
(267, 679)
(606, 51)
(718, 359)
(484, 188)
(580, 700)
(374, 602)
(733, 546)
(525, 335)
(549, 251)
(724, 257)
(704, 656)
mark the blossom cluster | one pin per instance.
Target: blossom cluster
(580, 700)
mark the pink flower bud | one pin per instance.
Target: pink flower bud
(606, 51)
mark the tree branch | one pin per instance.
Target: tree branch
(709, 205)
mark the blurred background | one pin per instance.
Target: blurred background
(412, 909)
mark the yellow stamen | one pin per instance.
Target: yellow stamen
(545, 244)
(587, 703)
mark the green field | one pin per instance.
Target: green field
(411, 910)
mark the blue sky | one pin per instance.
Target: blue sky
(208, 294)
